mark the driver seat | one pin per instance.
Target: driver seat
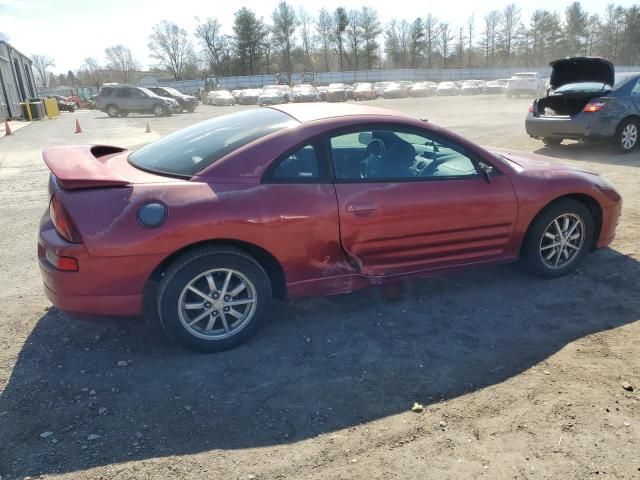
(398, 160)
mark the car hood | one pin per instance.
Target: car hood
(581, 69)
(533, 162)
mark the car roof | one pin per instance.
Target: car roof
(304, 113)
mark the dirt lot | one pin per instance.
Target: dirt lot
(520, 378)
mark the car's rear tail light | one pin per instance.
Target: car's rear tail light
(62, 221)
(66, 264)
(594, 106)
(531, 107)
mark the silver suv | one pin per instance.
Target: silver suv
(121, 100)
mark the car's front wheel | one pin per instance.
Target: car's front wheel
(212, 299)
(558, 239)
(158, 110)
(626, 138)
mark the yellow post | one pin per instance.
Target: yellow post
(26, 102)
(51, 106)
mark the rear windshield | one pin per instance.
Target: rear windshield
(190, 150)
(583, 87)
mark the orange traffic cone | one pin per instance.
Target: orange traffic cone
(148, 129)
(7, 128)
(78, 129)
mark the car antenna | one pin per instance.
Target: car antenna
(424, 119)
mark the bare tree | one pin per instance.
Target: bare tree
(42, 63)
(445, 42)
(92, 70)
(285, 23)
(470, 25)
(460, 46)
(120, 60)
(490, 35)
(209, 34)
(324, 29)
(171, 47)
(307, 37)
(510, 22)
(430, 37)
(354, 38)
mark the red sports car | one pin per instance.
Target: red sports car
(203, 227)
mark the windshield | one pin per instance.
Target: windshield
(190, 150)
(172, 91)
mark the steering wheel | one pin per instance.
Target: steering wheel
(373, 157)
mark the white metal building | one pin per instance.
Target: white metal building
(16, 81)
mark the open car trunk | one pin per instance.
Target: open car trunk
(565, 104)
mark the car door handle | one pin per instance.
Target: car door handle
(361, 209)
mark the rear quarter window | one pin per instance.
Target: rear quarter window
(192, 149)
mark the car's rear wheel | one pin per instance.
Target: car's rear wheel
(158, 110)
(552, 141)
(558, 239)
(626, 139)
(213, 299)
(124, 114)
(113, 111)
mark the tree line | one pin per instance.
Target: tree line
(295, 40)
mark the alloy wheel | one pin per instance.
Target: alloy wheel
(629, 136)
(217, 304)
(562, 241)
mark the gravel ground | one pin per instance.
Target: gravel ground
(519, 378)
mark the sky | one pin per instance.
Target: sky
(71, 30)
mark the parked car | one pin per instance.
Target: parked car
(185, 102)
(249, 96)
(588, 102)
(202, 228)
(336, 93)
(394, 90)
(447, 88)
(304, 92)
(423, 89)
(364, 91)
(472, 87)
(322, 92)
(271, 96)
(379, 87)
(284, 89)
(220, 98)
(493, 87)
(65, 105)
(349, 89)
(125, 99)
(528, 83)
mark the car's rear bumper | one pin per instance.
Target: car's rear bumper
(111, 286)
(577, 127)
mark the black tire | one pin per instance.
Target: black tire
(190, 266)
(552, 141)
(124, 114)
(192, 109)
(112, 110)
(158, 110)
(531, 248)
(621, 138)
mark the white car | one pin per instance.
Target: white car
(447, 88)
(525, 83)
(220, 98)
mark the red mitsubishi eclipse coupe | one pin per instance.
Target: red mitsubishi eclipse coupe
(203, 227)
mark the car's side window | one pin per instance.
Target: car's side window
(123, 93)
(395, 155)
(138, 94)
(299, 166)
(636, 89)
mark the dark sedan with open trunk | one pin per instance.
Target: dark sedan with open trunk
(587, 101)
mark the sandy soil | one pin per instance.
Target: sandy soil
(520, 378)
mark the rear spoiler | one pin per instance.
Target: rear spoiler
(83, 166)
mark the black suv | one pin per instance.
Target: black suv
(125, 99)
(185, 102)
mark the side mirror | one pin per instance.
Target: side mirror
(486, 170)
